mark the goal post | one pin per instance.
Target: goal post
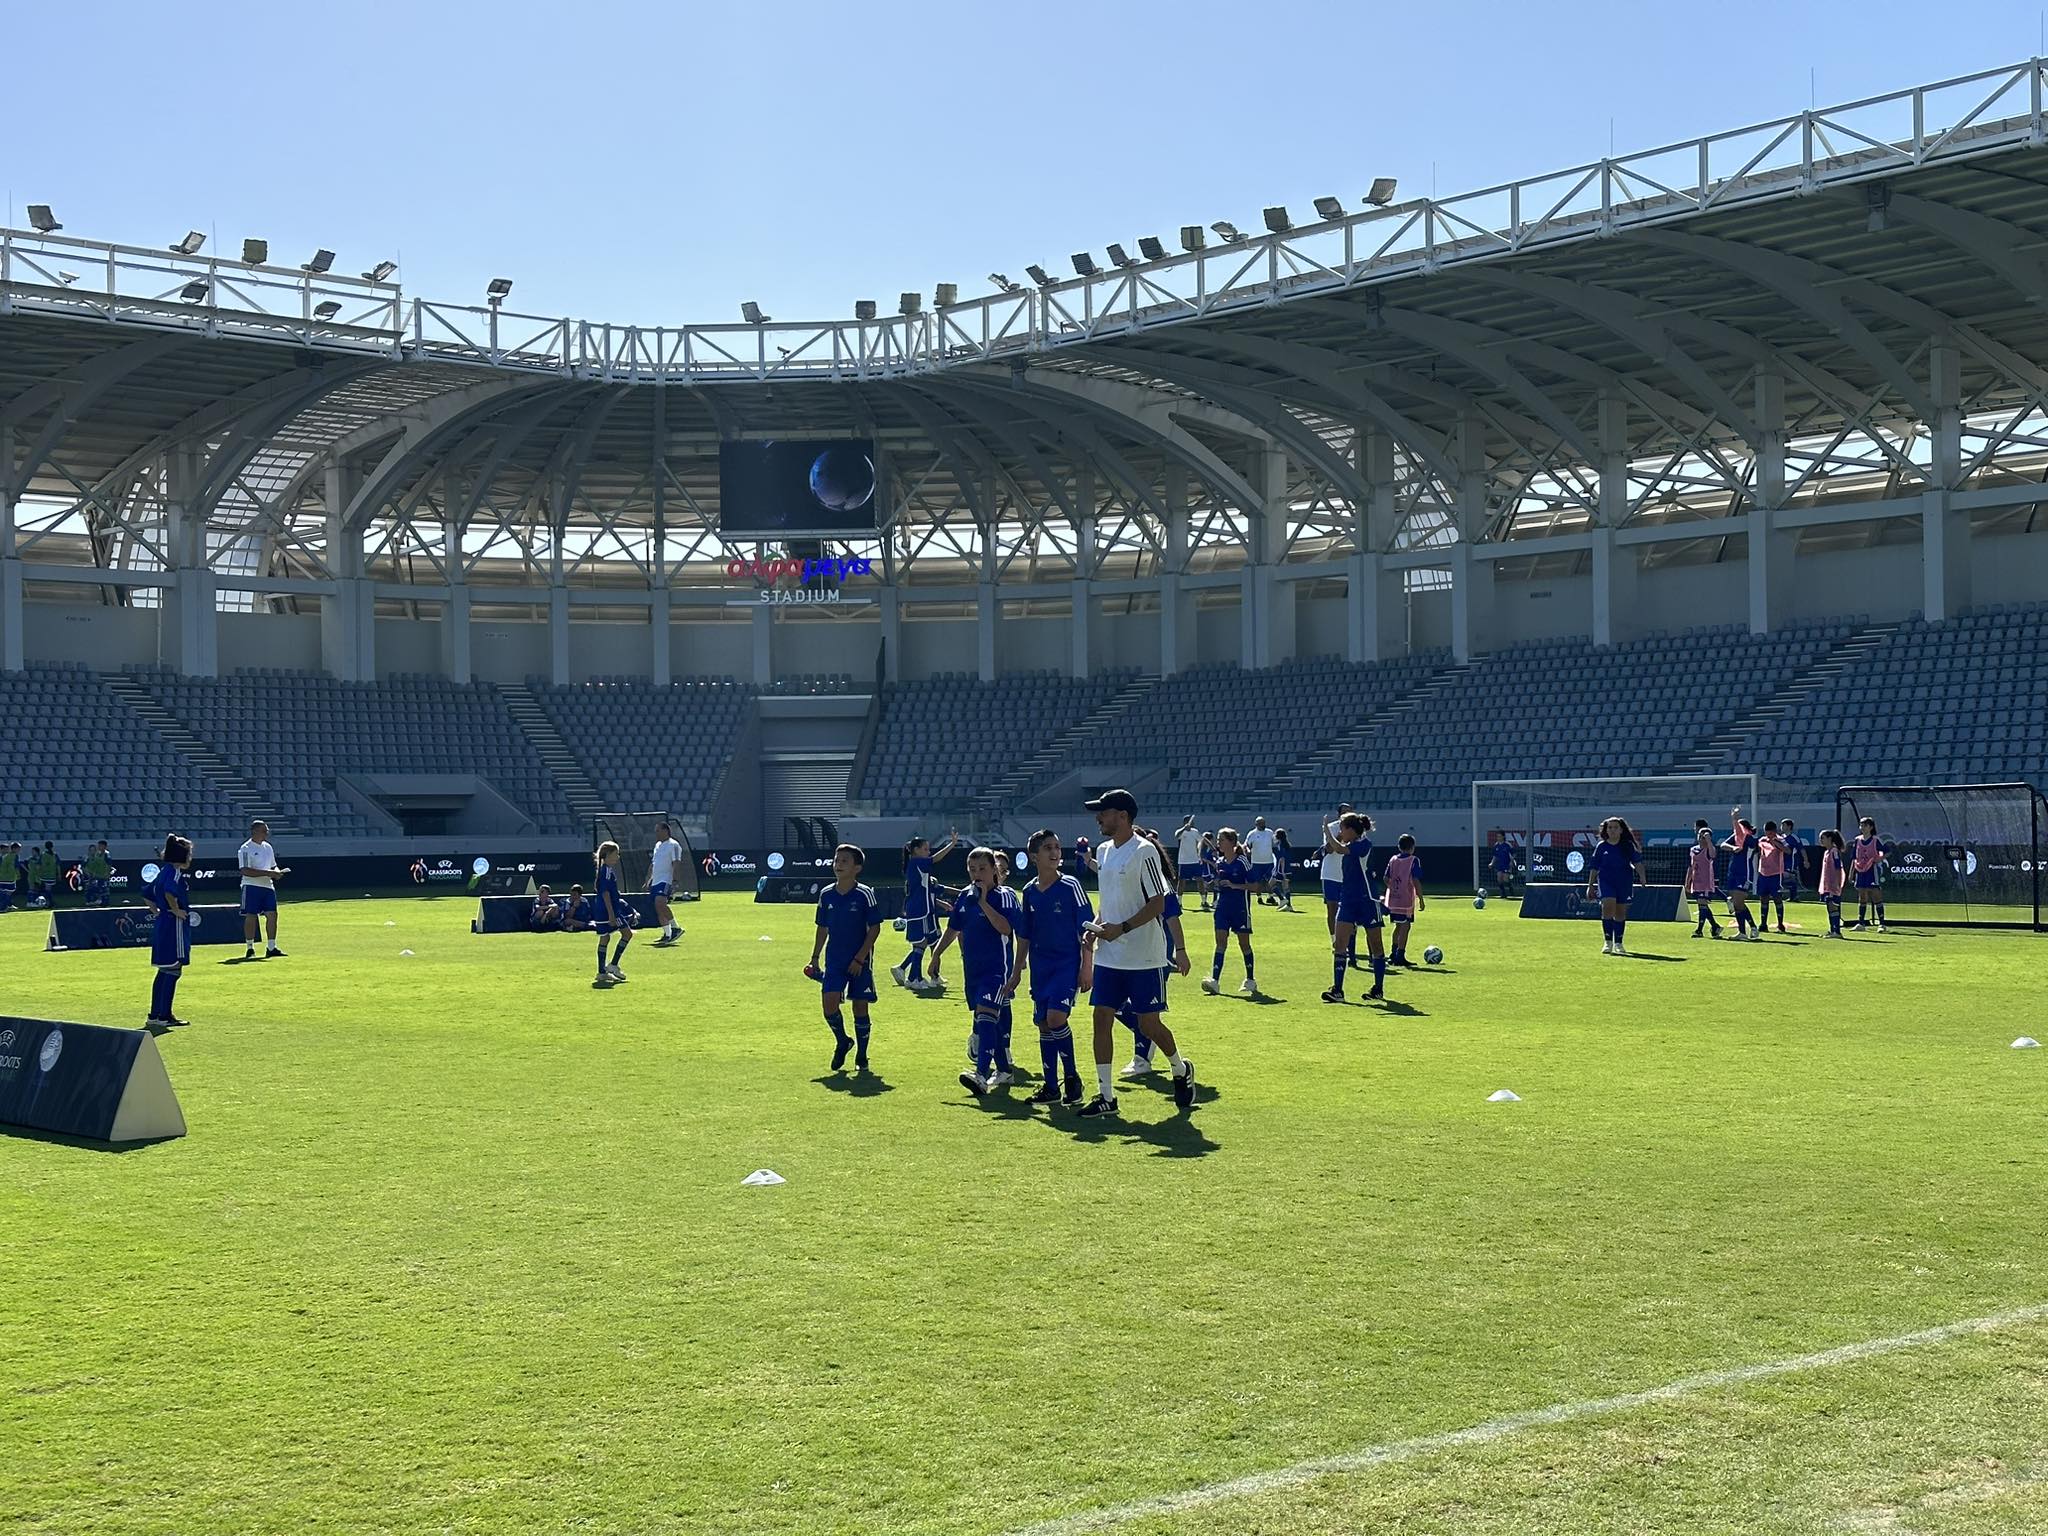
(1549, 821)
(634, 832)
(1956, 855)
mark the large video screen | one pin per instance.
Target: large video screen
(820, 486)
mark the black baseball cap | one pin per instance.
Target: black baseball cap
(1114, 800)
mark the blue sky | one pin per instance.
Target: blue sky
(660, 163)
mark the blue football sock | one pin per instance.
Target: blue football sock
(1064, 1044)
(1216, 969)
(860, 1035)
(916, 962)
(984, 1045)
(604, 945)
(1337, 969)
(837, 1024)
(170, 991)
(1379, 969)
(159, 1001)
(1049, 1059)
(1620, 929)
(1248, 965)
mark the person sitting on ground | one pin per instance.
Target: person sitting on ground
(546, 916)
(576, 911)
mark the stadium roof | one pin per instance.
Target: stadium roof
(1829, 314)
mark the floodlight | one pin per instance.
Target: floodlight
(42, 220)
(67, 278)
(381, 273)
(255, 252)
(1039, 275)
(1192, 237)
(1002, 281)
(909, 303)
(1120, 257)
(1330, 207)
(194, 291)
(785, 353)
(1084, 264)
(863, 309)
(751, 313)
(322, 260)
(498, 290)
(1382, 192)
(1150, 248)
(945, 295)
(189, 246)
(327, 309)
(1231, 234)
(1277, 220)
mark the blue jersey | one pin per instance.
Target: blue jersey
(608, 885)
(1233, 907)
(917, 887)
(1166, 917)
(985, 953)
(1503, 857)
(1614, 866)
(168, 886)
(1052, 921)
(846, 917)
(1357, 878)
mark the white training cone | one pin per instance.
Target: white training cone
(2026, 1043)
(1504, 1096)
(767, 938)
(764, 1176)
(404, 952)
(388, 923)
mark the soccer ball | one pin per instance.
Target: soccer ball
(1433, 955)
(899, 925)
(1479, 902)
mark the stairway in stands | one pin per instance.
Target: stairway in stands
(1347, 742)
(248, 799)
(568, 771)
(1002, 797)
(1717, 751)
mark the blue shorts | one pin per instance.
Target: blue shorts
(1332, 891)
(258, 899)
(1617, 890)
(1194, 871)
(985, 995)
(1768, 886)
(1054, 992)
(1240, 922)
(1262, 874)
(1139, 991)
(170, 944)
(659, 888)
(858, 989)
(1359, 914)
(1866, 879)
(922, 929)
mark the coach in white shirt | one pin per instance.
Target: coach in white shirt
(260, 871)
(662, 865)
(1130, 946)
(1259, 844)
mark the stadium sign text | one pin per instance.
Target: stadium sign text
(803, 570)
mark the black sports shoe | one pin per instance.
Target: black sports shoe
(860, 1061)
(973, 1084)
(1376, 993)
(1049, 1094)
(1098, 1106)
(840, 1052)
(273, 953)
(1332, 995)
(1073, 1094)
(1184, 1085)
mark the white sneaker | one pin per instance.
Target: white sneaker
(1001, 1079)
(1209, 985)
(1618, 948)
(615, 973)
(1136, 1068)
(900, 974)
(1607, 946)
(1247, 989)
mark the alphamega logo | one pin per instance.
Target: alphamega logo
(769, 572)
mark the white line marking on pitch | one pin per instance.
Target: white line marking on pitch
(1514, 1423)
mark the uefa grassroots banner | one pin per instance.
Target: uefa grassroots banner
(132, 927)
(1650, 904)
(514, 914)
(85, 1080)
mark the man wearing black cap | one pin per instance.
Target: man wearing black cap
(1130, 947)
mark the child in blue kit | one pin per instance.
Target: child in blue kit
(1052, 939)
(849, 922)
(984, 922)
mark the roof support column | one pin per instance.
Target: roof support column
(985, 606)
(10, 564)
(1078, 638)
(1374, 617)
(1615, 567)
(1944, 532)
(1176, 608)
(1471, 578)
(892, 634)
(1266, 609)
(455, 639)
(347, 615)
(558, 634)
(1773, 551)
(660, 612)
(191, 632)
(764, 644)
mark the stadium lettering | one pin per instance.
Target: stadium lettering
(803, 570)
(783, 595)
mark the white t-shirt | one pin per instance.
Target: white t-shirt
(1191, 846)
(661, 867)
(1127, 878)
(255, 855)
(1260, 841)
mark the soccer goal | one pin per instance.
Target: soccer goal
(1553, 823)
(633, 831)
(1956, 855)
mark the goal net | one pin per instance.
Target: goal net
(1552, 824)
(634, 832)
(1955, 854)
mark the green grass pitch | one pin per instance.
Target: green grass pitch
(458, 1244)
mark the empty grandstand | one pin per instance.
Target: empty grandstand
(1722, 458)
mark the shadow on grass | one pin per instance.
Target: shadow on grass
(1644, 954)
(158, 1029)
(82, 1143)
(859, 1084)
(1177, 1136)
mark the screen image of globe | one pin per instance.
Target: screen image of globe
(842, 479)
